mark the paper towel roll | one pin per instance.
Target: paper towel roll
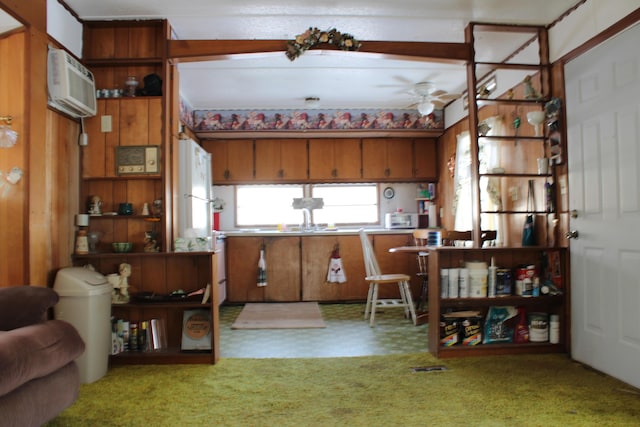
(433, 220)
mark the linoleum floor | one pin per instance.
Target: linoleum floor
(347, 334)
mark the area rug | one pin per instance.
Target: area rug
(289, 315)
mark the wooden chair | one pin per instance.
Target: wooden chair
(421, 237)
(375, 278)
(452, 237)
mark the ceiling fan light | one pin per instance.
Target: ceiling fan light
(425, 107)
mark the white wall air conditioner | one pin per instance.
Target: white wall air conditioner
(72, 88)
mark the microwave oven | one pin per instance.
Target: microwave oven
(400, 220)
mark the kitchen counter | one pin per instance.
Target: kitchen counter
(247, 232)
(297, 264)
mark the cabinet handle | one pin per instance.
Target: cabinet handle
(387, 172)
(280, 173)
(226, 174)
(334, 173)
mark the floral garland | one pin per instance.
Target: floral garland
(314, 36)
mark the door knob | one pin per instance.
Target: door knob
(574, 214)
(573, 234)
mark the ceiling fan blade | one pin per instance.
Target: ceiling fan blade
(437, 93)
(449, 96)
(405, 81)
(439, 105)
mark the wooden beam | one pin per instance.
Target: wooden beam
(205, 50)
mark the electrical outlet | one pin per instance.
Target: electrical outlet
(105, 124)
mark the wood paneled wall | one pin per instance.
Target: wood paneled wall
(36, 214)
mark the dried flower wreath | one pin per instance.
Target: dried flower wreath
(314, 36)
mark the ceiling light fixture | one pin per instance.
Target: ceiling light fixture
(425, 107)
(312, 102)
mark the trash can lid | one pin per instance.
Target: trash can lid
(74, 281)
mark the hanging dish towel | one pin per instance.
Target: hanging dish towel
(262, 269)
(336, 271)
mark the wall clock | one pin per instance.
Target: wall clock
(388, 193)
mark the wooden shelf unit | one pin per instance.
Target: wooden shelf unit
(161, 273)
(452, 257)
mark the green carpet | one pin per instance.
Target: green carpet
(532, 390)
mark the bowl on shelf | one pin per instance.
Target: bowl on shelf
(122, 246)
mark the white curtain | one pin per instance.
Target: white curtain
(490, 187)
(462, 184)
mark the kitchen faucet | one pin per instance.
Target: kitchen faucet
(306, 204)
(307, 219)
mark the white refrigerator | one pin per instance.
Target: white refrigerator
(195, 193)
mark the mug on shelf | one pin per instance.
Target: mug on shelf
(125, 209)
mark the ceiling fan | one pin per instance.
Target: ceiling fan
(429, 98)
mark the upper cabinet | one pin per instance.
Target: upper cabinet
(335, 159)
(387, 159)
(232, 160)
(281, 160)
(425, 165)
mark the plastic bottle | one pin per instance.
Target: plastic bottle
(554, 329)
(493, 277)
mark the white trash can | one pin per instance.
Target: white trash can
(85, 302)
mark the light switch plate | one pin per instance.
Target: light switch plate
(105, 124)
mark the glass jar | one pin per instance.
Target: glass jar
(131, 85)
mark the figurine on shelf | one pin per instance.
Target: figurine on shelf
(121, 292)
(151, 241)
(95, 205)
(529, 91)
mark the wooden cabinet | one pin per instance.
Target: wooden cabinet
(387, 159)
(335, 159)
(425, 158)
(279, 160)
(316, 254)
(283, 269)
(160, 274)
(297, 267)
(232, 160)
(509, 258)
(391, 263)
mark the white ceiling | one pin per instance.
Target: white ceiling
(339, 79)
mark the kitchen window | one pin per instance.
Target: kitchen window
(346, 204)
(270, 205)
(267, 205)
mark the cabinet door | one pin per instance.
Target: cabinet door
(399, 158)
(374, 159)
(424, 159)
(240, 160)
(316, 254)
(283, 269)
(281, 160)
(335, 159)
(242, 261)
(294, 159)
(386, 159)
(268, 165)
(232, 161)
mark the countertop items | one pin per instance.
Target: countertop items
(321, 232)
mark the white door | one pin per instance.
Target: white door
(603, 122)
